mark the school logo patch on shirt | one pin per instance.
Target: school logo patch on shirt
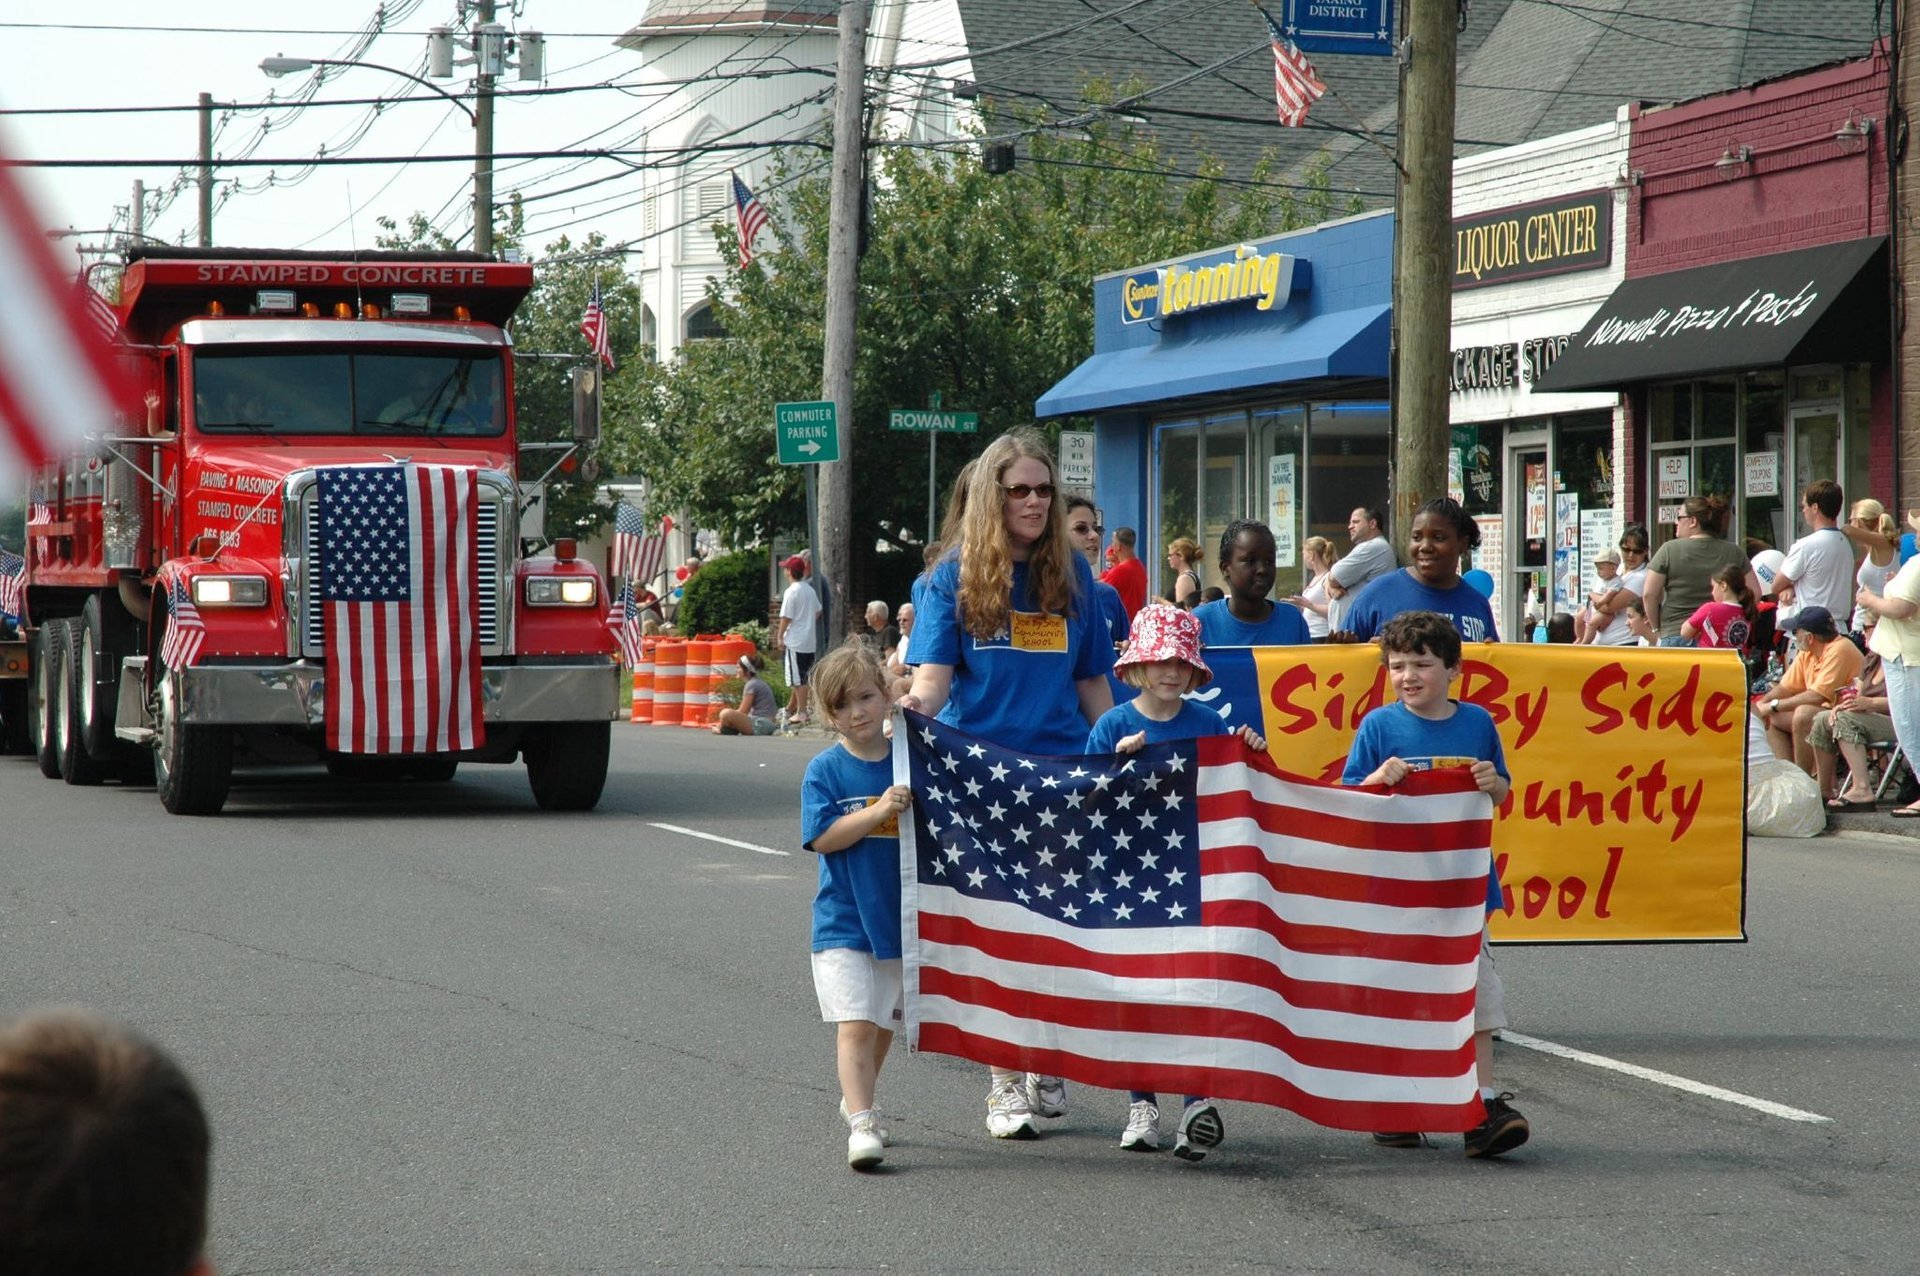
(889, 827)
(1440, 764)
(1030, 631)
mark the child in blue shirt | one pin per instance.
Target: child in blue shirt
(850, 812)
(1425, 731)
(1162, 659)
(1246, 617)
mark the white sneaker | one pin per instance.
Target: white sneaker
(886, 1135)
(1143, 1128)
(1047, 1096)
(1200, 1129)
(1008, 1116)
(864, 1143)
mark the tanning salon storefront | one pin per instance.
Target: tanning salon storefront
(1248, 381)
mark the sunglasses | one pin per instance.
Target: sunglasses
(1021, 491)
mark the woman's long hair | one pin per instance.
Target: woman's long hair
(986, 557)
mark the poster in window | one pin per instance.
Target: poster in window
(1597, 533)
(1536, 500)
(1676, 475)
(1281, 514)
(1566, 550)
(1762, 473)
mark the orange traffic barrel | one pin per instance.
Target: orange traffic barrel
(726, 653)
(669, 681)
(643, 682)
(698, 711)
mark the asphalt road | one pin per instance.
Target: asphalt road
(441, 1032)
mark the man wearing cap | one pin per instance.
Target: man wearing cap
(799, 610)
(1827, 662)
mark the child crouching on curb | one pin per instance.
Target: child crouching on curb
(1426, 731)
(1163, 660)
(850, 811)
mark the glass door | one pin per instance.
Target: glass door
(1529, 537)
(1816, 451)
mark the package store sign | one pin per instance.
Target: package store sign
(808, 433)
(1530, 241)
(1507, 366)
(1076, 459)
(933, 422)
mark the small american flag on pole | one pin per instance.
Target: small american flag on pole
(636, 551)
(1189, 919)
(13, 579)
(185, 633)
(594, 327)
(623, 618)
(1295, 85)
(398, 577)
(752, 215)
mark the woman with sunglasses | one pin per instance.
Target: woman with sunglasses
(1011, 645)
(1610, 612)
(1680, 577)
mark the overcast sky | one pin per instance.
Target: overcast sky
(115, 53)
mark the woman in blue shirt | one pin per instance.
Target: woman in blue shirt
(1442, 532)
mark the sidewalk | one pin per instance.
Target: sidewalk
(1877, 826)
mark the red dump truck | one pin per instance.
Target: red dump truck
(305, 544)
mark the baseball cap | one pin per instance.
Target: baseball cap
(1817, 621)
(1608, 556)
(795, 564)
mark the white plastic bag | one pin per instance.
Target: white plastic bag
(1783, 801)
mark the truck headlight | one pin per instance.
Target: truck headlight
(562, 591)
(230, 591)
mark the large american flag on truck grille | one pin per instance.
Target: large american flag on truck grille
(1189, 919)
(398, 576)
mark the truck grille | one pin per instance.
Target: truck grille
(311, 620)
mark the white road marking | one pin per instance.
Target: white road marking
(1654, 1075)
(715, 837)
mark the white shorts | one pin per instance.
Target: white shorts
(1489, 994)
(853, 985)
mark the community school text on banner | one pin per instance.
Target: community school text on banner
(1627, 820)
(1189, 919)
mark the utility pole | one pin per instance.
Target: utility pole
(206, 170)
(137, 218)
(1423, 278)
(1904, 484)
(832, 551)
(483, 129)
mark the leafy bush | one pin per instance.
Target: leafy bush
(725, 592)
(755, 632)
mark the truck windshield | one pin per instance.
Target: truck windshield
(273, 390)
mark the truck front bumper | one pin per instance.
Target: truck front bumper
(295, 694)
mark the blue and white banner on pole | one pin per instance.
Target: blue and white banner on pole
(1340, 26)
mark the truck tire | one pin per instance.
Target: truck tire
(14, 735)
(193, 766)
(567, 764)
(102, 635)
(77, 765)
(42, 676)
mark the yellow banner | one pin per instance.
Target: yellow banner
(1627, 816)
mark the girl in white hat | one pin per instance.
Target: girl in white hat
(1163, 660)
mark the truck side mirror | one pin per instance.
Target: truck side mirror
(586, 405)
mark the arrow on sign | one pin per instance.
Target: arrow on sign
(809, 447)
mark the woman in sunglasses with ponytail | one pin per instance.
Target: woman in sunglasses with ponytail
(1010, 645)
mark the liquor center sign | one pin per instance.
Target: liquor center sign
(1532, 240)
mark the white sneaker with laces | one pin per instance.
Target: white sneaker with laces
(886, 1135)
(1008, 1116)
(864, 1145)
(1047, 1096)
(1143, 1128)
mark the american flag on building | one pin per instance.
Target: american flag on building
(623, 618)
(751, 214)
(1189, 919)
(398, 578)
(185, 633)
(13, 580)
(594, 327)
(1295, 85)
(636, 551)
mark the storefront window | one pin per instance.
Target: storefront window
(1476, 458)
(1672, 408)
(1278, 433)
(1178, 492)
(1765, 510)
(1224, 493)
(1583, 504)
(1858, 481)
(1346, 467)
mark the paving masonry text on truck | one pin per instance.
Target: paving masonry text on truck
(308, 547)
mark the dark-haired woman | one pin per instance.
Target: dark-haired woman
(1680, 577)
(1246, 617)
(1442, 533)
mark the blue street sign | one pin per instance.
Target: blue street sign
(1340, 26)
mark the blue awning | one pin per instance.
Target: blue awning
(1346, 343)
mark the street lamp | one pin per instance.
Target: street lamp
(278, 66)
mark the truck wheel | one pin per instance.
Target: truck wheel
(14, 735)
(567, 764)
(193, 766)
(77, 765)
(101, 638)
(42, 677)
(431, 770)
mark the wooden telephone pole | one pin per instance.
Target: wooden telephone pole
(832, 552)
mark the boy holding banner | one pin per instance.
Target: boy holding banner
(1425, 731)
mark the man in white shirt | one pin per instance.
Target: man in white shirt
(799, 612)
(1371, 556)
(1818, 571)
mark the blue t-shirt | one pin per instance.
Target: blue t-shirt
(1395, 731)
(1191, 723)
(1016, 688)
(1115, 612)
(1219, 627)
(1907, 548)
(858, 903)
(1383, 599)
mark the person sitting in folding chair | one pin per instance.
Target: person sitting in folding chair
(1858, 720)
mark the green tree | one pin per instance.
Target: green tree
(974, 286)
